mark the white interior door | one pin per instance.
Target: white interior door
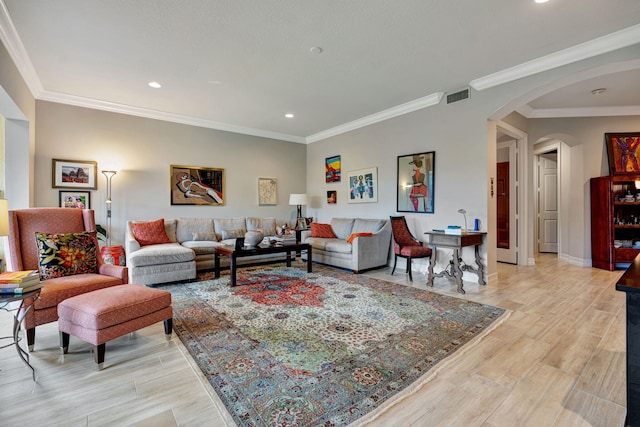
(507, 250)
(548, 202)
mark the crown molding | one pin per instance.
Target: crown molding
(598, 46)
(407, 107)
(161, 115)
(551, 113)
(18, 53)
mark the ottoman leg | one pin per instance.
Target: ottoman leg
(64, 342)
(168, 328)
(98, 355)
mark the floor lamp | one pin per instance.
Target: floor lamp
(109, 175)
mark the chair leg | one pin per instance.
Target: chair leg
(31, 338)
(395, 261)
(409, 269)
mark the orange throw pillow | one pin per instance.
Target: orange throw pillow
(150, 232)
(322, 230)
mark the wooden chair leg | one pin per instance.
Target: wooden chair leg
(168, 328)
(409, 269)
(64, 342)
(395, 261)
(31, 338)
(98, 355)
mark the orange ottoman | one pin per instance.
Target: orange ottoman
(105, 314)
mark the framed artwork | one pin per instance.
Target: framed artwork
(267, 191)
(415, 182)
(195, 185)
(332, 169)
(623, 150)
(363, 186)
(332, 197)
(75, 199)
(301, 224)
(79, 174)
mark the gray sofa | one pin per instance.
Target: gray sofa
(192, 247)
(363, 253)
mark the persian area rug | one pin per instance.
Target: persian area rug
(291, 348)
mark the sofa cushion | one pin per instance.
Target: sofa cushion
(267, 225)
(322, 230)
(342, 227)
(367, 225)
(202, 247)
(164, 253)
(330, 245)
(211, 237)
(66, 254)
(61, 288)
(220, 224)
(232, 234)
(150, 232)
(185, 227)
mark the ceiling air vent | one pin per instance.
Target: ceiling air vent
(458, 96)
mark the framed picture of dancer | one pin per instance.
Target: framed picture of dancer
(416, 174)
(623, 150)
(196, 185)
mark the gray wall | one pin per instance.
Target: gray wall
(142, 150)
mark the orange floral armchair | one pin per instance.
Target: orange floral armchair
(24, 255)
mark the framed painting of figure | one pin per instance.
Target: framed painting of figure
(196, 185)
(363, 185)
(623, 150)
(416, 174)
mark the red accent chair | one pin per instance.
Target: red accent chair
(23, 255)
(405, 245)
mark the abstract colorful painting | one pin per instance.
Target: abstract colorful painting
(195, 185)
(332, 169)
(623, 150)
(363, 185)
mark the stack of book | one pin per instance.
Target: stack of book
(19, 282)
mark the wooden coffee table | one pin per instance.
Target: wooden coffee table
(234, 254)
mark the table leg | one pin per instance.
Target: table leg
(309, 264)
(288, 258)
(217, 265)
(480, 268)
(457, 271)
(432, 263)
(17, 320)
(232, 268)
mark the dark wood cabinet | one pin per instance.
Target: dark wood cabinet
(615, 221)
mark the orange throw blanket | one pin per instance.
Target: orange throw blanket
(354, 235)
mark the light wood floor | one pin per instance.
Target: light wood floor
(558, 360)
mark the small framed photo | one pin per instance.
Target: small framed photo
(332, 197)
(78, 174)
(301, 224)
(75, 199)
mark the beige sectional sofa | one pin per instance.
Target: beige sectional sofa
(363, 253)
(191, 248)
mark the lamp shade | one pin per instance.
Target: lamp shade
(297, 199)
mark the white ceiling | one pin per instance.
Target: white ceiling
(240, 65)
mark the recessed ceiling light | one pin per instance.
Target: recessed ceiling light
(541, 1)
(155, 85)
(316, 49)
(289, 116)
(598, 91)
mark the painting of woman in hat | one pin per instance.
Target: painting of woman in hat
(415, 182)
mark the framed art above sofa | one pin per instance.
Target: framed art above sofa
(196, 185)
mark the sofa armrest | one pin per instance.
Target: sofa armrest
(372, 251)
(130, 243)
(304, 234)
(119, 271)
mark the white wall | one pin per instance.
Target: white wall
(142, 150)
